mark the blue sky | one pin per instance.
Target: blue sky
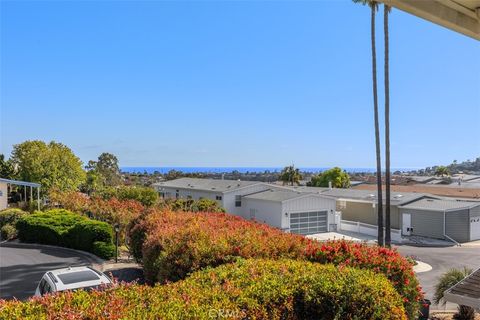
(233, 83)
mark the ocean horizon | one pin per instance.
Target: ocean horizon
(244, 170)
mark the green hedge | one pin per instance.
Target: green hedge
(103, 249)
(145, 195)
(64, 228)
(8, 219)
(248, 289)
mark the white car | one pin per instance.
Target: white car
(72, 278)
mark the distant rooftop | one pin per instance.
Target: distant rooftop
(440, 204)
(205, 184)
(396, 198)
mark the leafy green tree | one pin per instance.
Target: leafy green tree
(446, 281)
(7, 170)
(442, 171)
(173, 174)
(94, 182)
(338, 177)
(103, 172)
(53, 165)
(107, 166)
(290, 175)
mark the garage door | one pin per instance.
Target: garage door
(308, 222)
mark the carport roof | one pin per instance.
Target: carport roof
(466, 292)
(20, 183)
(440, 204)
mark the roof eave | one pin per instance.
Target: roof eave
(446, 13)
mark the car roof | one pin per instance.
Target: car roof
(76, 277)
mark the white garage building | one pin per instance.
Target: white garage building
(280, 207)
(291, 211)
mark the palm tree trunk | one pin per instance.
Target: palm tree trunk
(388, 240)
(377, 134)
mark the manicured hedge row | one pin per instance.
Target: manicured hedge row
(248, 289)
(171, 246)
(67, 229)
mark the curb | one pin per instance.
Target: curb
(425, 245)
(95, 262)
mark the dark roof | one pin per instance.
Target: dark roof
(466, 292)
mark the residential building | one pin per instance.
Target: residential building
(309, 210)
(228, 193)
(280, 207)
(439, 218)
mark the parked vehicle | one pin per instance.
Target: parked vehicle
(72, 278)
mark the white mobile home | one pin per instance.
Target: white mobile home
(228, 193)
(280, 207)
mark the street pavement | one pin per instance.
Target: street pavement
(441, 259)
(23, 265)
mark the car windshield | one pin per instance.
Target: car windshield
(78, 276)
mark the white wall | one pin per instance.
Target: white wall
(3, 196)
(229, 197)
(310, 203)
(269, 212)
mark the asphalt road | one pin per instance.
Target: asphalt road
(441, 260)
(23, 265)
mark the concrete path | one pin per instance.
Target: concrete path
(345, 235)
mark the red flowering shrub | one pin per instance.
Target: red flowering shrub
(112, 210)
(172, 245)
(248, 289)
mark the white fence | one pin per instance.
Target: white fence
(368, 229)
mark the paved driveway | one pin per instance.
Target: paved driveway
(23, 265)
(441, 260)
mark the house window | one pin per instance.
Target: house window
(238, 201)
(218, 197)
(177, 194)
